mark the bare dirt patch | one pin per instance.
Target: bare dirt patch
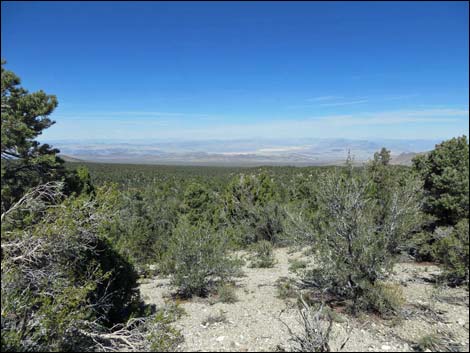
(252, 323)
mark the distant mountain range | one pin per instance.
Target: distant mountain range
(405, 158)
(242, 152)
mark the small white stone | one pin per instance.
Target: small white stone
(386, 348)
(220, 339)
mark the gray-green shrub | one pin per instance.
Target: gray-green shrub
(226, 293)
(263, 256)
(197, 257)
(452, 250)
(352, 246)
(62, 282)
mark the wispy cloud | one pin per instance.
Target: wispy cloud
(337, 104)
(400, 96)
(330, 101)
(339, 101)
(396, 117)
(412, 123)
(131, 114)
(323, 98)
(438, 112)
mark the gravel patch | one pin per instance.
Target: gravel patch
(253, 322)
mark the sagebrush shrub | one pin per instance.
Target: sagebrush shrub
(197, 257)
(384, 298)
(263, 255)
(296, 265)
(226, 293)
(352, 242)
(286, 288)
(315, 329)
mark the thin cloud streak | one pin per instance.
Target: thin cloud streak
(439, 123)
(323, 98)
(337, 104)
(400, 97)
(130, 114)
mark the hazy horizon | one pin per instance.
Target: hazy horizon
(242, 152)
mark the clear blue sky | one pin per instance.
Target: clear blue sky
(188, 70)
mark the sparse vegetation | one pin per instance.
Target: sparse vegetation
(286, 288)
(226, 293)
(436, 342)
(429, 342)
(263, 255)
(296, 265)
(315, 334)
(215, 319)
(384, 298)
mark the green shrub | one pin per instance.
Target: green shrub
(286, 288)
(197, 257)
(421, 245)
(452, 250)
(199, 204)
(143, 224)
(333, 314)
(251, 206)
(61, 281)
(445, 172)
(352, 242)
(161, 335)
(296, 265)
(263, 255)
(430, 342)
(226, 293)
(384, 298)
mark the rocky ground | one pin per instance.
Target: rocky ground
(435, 316)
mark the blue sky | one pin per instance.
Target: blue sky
(224, 70)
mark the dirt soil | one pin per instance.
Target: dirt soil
(253, 323)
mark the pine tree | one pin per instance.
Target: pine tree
(25, 162)
(445, 173)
